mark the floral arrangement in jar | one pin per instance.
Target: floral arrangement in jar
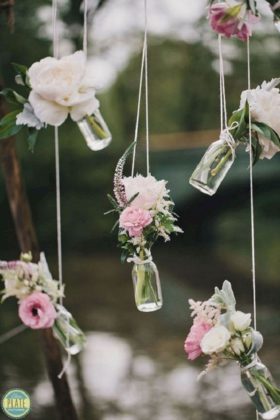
(55, 88)
(145, 213)
(39, 298)
(223, 333)
(263, 103)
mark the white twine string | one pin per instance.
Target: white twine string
(137, 260)
(85, 37)
(252, 195)
(225, 133)
(144, 67)
(12, 333)
(252, 209)
(57, 160)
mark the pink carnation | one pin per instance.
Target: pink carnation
(134, 220)
(193, 340)
(37, 311)
(232, 20)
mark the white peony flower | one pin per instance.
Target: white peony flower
(151, 192)
(215, 340)
(264, 104)
(61, 87)
(241, 321)
(28, 117)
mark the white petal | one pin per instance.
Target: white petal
(27, 117)
(48, 112)
(85, 108)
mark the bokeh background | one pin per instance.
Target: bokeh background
(134, 367)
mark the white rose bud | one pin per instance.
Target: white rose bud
(237, 346)
(241, 321)
(216, 340)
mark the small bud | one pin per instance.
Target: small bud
(26, 257)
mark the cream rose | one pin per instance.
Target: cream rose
(216, 340)
(237, 346)
(150, 191)
(264, 104)
(241, 321)
(61, 87)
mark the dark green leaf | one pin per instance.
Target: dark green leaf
(115, 225)
(267, 132)
(241, 117)
(12, 97)
(21, 72)
(133, 198)
(32, 138)
(113, 201)
(8, 125)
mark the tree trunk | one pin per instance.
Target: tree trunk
(28, 242)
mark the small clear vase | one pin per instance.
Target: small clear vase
(67, 331)
(213, 167)
(95, 131)
(261, 388)
(147, 287)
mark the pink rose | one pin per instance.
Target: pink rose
(193, 340)
(134, 220)
(232, 20)
(37, 311)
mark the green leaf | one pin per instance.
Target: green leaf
(32, 138)
(113, 201)
(8, 125)
(132, 198)
(256, 149)
(21, 72)
(241, 117)
(12, 97)
(267, 132)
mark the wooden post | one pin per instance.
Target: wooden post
(27, 239)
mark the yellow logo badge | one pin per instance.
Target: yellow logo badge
(16, 404)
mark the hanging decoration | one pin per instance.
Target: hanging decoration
(39, 298)
(224, 333)
(145, 213)
(264, 104)
(55, 89)
(145, 210)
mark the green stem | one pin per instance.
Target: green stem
(96, 127)
(222, 162)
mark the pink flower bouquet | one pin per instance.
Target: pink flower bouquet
(224, 333)
(38, 296)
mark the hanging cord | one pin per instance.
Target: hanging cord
(252, 207)
(225, 133)
(147, 92)
(57, 160)
(85, 37)
(144, 71)
(252, 195)
(12, 333)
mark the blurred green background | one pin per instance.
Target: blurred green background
(134, 366)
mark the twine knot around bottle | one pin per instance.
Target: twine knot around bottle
(139, 261)
(228, 138)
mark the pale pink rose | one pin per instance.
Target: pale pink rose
(134, 220)
(193, 340)
(150, 192)
(37, 311)
(231, 20)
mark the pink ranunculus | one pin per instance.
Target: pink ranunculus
(193, 340)
(134, 220)
(37, 311)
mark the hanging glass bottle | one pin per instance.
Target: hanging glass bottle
(67, 331)
(147, 288)
(213, 167)
(95, 131)
(259, 384)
